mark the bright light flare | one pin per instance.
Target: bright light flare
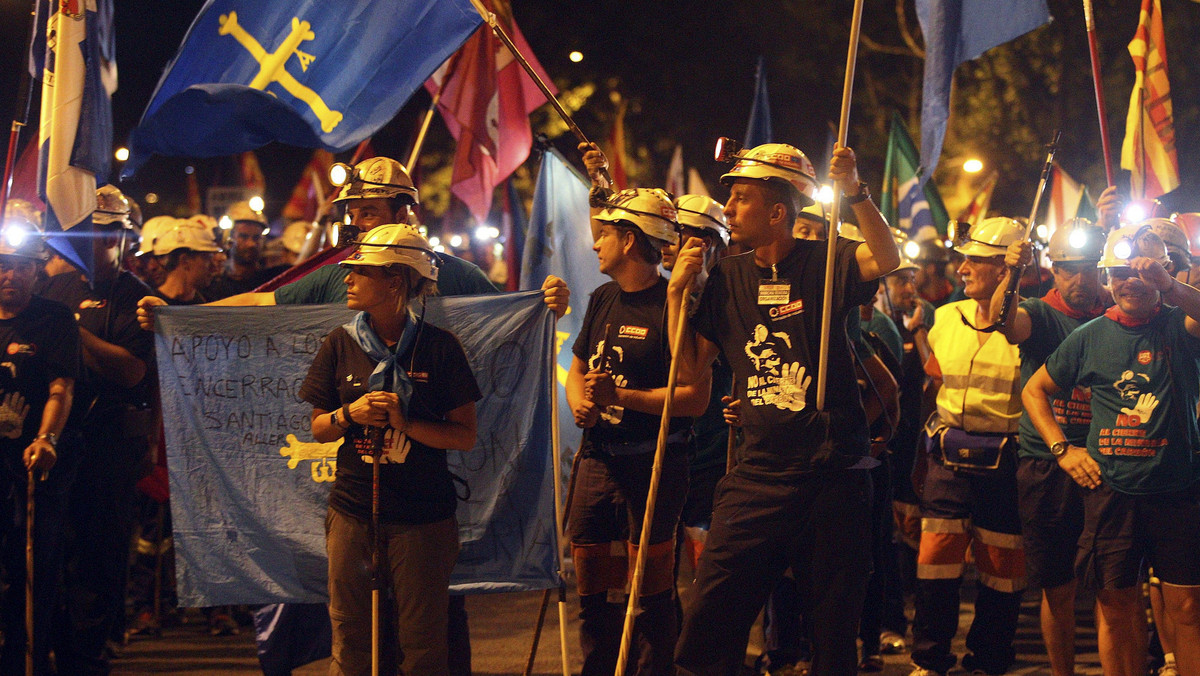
(973, 166)
(14, 235)
(1123, 249)
(435, 242)
(226, 223)
(1042, 231)
(121, 154)
(575, 56)
(825, 194)
(456, 241)
(912, 249)
(339, 174)
(256, 203)
(1078, 238)
(486, 233)
(1134, 213)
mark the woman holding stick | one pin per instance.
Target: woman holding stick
(398, 392)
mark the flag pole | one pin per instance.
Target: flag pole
(835, 215)
(1097, 84)
(29, 503)
(664, 429)
(20, 115)
(559, 513)
(490, 19)
(433, 104)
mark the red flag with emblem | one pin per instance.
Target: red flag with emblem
(312, 190)
(486, 99)
(1149, 148)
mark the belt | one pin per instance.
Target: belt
(639, 447)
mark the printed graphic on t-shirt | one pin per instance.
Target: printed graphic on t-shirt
(775, 383)
(1074, 410)
(611, 414)
(396, 446)
(1127, 437)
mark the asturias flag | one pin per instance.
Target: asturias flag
(72, 53)
(314, 73)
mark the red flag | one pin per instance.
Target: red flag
(25, 176)
(312, 190)
(486, 98)
(616, 141)
(1149, 148)
(193, 193)
(976, 210)
(1065, 195)
(252, 175)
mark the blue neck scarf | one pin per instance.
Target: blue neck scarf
(389, 367)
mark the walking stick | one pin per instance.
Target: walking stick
(835, 215)
(1014, 274)
(1089, 19)
(20, 117)
(376, 577)
(502, 35)
(664, 426)
(29, 574)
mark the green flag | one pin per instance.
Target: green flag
(904, 203)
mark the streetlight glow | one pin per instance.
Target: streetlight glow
(575, 56)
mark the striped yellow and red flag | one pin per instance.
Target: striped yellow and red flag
(1149, 148)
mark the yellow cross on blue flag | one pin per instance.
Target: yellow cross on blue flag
(316, 73)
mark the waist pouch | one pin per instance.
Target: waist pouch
(962, 451)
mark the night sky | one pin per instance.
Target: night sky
(687, 68)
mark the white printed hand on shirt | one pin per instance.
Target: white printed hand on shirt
(13, 410)
(792, 386)
(1145, 406)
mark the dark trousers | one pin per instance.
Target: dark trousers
(50, 501)
(880, 604)
(99, 531)
(819, 526)
(608, 507)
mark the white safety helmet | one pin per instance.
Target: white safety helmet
(185, 234)
(1170, 233)
(112, 207)
(1076, 241)
(780, 163)
(377, 177)
(1190, 224)
(240, 212)
(21, 232)
(150, 232)
(1132, 241)
(703, 212)
(395, 244)
(648, 209)
(906, 263)
(991, 237)
(294, 236)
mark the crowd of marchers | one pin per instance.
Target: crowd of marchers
(1029, 409)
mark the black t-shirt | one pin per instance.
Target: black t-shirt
(225, 286)
(37, 346)
(109, 311)
(767, 345)
(416, 486)
(624, 334)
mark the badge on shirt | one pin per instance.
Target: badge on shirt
(774, 292)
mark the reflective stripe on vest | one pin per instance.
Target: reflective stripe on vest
(981, 384)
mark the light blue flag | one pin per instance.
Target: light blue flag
(758, 129)
(312, 73)
(956, 31)
(249, 486)
(559, 242)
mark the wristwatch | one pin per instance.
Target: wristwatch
(336, 419)
(1059, 448)
(50, 438)
(864, 194)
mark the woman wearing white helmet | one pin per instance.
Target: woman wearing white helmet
(398, 392)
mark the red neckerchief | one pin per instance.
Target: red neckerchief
(1055, 300)
(1119, 316)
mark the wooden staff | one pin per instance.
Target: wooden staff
(424, 128)
(664, 427)
(835, 218)
(29, 482)
(559, 514)
(1097, 84)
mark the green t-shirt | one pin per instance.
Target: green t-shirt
(326, 284)
(1145, 384)
(1072, 407)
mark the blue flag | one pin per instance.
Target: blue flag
(78, 76)
(559, 242)
(957, 31)
(314, 73)
(249, 486)
(758, 129)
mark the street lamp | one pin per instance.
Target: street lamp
(575, 56)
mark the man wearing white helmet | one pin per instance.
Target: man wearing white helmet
(970, 493)
(616, 387)
(378, 191)
(1141, 362)
(244, 270)
(1050, 503)
(149, 268)
(38, 370)
(702, 217)
(188, 254)
(114, 418)
(795, 496)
